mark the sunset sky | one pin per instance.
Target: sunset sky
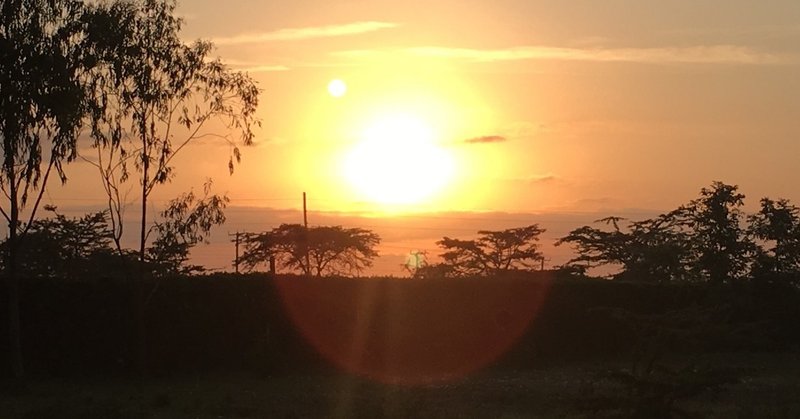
(466, 115)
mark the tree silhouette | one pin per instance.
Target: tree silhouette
(720, 242)
(777, 224)
(186, 222)
(157, 95)
(66, 248)
(597, 247)
(154, 95)
(42, 69)
(331, 250)
(492, 252)
(703, 240)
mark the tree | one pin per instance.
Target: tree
(186, 222)
(661, 249)
(65, 248)
(42, 104)
(493, 252)
(701, 240)
(653, 250)
(597, 247)
(776, 224)
(157, 95)
(720, 243)
(330, 250)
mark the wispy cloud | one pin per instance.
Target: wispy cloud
(254, 67)
(263, 68)
(541, 178)
(701, 54)
(293, 34)
(696, 54)
(485, 139)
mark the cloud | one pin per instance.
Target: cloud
(294, 34)
(263, 68)
(254, 67)
(719, 54)
(548, 178)
(485, 139)
(701, 54)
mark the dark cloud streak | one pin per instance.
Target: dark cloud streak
(486, 139)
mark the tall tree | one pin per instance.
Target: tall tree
(156, 95)
(493, 251)
(42, 102)
(159, 95)
(720, 240)
(318, 251)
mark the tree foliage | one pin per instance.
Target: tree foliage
(721, 243)
(155, 95)
(67, 248)
(319, 251)
(654, 250)
(777, 226)
(186, 221)
(43, 70)
(492, 252)
(707, 239)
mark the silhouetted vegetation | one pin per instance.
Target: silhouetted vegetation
(43, 102)
(185, 222)
(492, 253)
(122, 69)
(153, 94)
(707, 240)
(317, 251)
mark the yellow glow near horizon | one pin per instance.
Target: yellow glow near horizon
(397, 161)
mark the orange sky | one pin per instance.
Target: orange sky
(587, 109)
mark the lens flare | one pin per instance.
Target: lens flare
(412, 333)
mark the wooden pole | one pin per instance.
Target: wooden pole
(305, 224)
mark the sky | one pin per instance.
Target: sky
(468, 115)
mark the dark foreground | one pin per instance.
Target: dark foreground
(744, 386)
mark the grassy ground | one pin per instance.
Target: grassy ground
(759, 386)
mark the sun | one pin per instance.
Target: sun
(398, 161)
(337, 88)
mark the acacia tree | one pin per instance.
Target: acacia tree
(598, 247)
(186, 221)
(318, 251)
(493, 251)
(158, 95)
(41, 109)
(656, 250)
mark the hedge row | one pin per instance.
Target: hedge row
(394, 329)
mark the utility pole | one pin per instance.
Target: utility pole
(236, 261)
(305, 224)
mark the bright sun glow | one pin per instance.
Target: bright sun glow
(337, 88)
(398, 162)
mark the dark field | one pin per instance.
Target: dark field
(538, 346)
(765, 386)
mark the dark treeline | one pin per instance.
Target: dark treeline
(707, 240)
(229, 322)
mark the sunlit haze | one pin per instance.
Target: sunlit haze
(409, 118)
